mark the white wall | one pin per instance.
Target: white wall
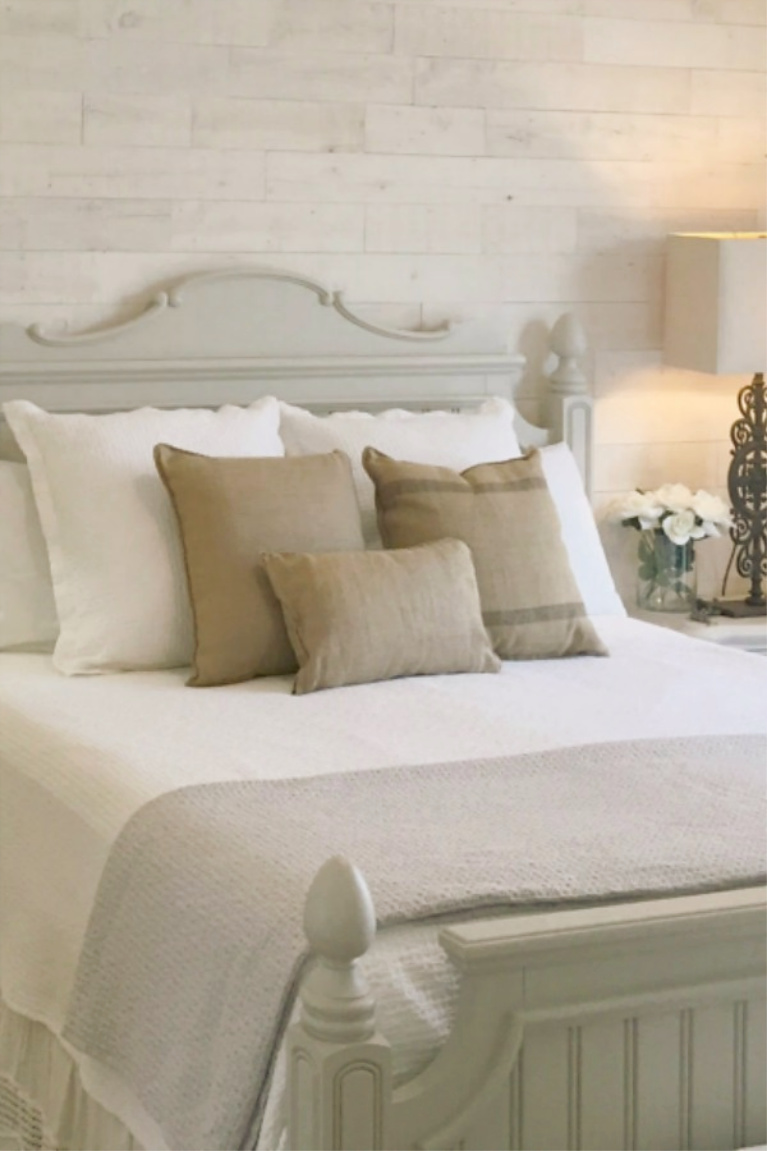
(433, 157)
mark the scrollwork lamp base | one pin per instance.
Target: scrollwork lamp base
(747, 486)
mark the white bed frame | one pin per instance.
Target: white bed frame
(636, 1025)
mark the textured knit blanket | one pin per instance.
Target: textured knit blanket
(195, 942)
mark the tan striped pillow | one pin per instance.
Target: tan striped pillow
(530, 601)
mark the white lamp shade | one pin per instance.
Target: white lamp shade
(716, 302)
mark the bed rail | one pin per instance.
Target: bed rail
(618, 1026)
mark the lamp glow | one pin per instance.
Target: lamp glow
(716, 322)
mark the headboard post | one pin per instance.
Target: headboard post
(570, 407)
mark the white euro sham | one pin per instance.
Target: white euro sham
(115, 555)
(448, 439)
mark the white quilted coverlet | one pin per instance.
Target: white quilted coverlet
(79, 756)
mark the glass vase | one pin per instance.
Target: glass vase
(666, 577)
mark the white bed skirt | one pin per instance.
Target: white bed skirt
(43, 1103)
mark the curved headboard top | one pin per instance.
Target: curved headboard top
(251, 314)
(229, 335)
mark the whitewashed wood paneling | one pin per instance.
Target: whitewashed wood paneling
(675, 45)
(137, 173)
(136, 120)
(391, 128)
(435, 158)
(503, 84)
(621, 467)
(486, 33)
(456, 179)
(702, 11)
(278, 125)
(47, 118)
(84, 225)
(44, 17)
(149, 67)
(179, 21)
(515, 228)
(333, 26)
(731, 94)
(325, 76)
(600, 135)
(740, 140)
(207, 226)
(41, 63)
(441, 228)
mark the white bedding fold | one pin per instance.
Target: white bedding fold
(78, 757)
(211, 881)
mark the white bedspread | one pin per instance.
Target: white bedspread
(79, 756)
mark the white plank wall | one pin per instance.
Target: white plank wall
(436, 158)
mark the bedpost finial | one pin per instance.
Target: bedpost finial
(568, 342)
(339, 917)
(339, 1065)
(568, 337)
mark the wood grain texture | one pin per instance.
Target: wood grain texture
(516, 157)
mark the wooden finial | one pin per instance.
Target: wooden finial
(339, 922)
(339, 918)
(339, 1066)
(568, 342)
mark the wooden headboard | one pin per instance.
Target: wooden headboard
(229, 336)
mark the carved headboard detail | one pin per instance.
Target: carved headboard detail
(227, 336)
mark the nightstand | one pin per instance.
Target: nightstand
(744, 634)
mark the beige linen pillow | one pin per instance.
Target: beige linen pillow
(230, 511)
(504, 512)
(374, 615)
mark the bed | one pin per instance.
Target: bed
(598, 1020)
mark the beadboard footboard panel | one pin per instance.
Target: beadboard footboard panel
(628, 1026)
(688, 1078)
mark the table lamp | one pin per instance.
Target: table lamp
(716, 321)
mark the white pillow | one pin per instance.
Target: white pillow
(28, 619)
(449, 439)
(113, 544)
(579, 532)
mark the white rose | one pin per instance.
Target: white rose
(680, 527)
(675, 497)
(711, 510)
(639, 505)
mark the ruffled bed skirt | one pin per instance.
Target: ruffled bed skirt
(43, 1104)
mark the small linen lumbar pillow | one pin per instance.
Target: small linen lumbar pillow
(504, 513)
(115, 555)
(451, 439)
(28, 619)
(367, 616)
(230, 511)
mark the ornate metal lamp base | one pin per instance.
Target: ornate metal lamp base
(747, 486)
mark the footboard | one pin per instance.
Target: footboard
(637, 1025)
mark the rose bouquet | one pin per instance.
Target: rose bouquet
(670, 520)
(673, 509)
